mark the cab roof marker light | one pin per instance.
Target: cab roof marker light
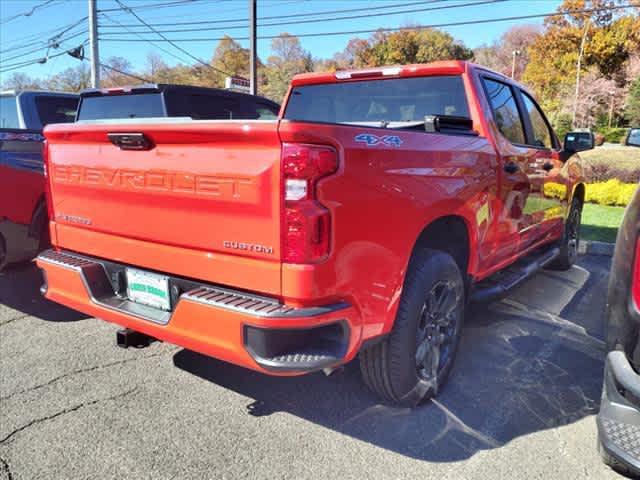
(374, 72)
(391, 71)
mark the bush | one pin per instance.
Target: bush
(563, 125)
(602, 172)
(611, 192)
(613, 134)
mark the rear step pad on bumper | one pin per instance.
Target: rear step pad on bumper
(102, 291)
(282, 349)
(501, 282)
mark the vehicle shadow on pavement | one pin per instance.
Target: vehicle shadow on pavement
(20, 290)
(530, 362)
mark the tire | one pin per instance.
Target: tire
(570, 238)
(413, 362)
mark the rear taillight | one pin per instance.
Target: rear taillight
(306, 222)
(635, 281)
(47, 178)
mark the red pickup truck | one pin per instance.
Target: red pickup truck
(361, 221)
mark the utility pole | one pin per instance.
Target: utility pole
(93, 41)
(253, 67)
(516, 53)
(578, 66)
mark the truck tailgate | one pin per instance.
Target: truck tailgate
(210, 188)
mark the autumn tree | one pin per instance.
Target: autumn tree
(609, 41)
(499, 55)
(230, 57)
(288, 59)
(21, 81)
(72, 79)
(409, 45)
(116, 72)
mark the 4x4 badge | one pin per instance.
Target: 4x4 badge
(373, 140)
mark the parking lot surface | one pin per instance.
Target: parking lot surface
(521, 401)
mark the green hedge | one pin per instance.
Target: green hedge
(613, 134)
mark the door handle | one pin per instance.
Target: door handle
(511, 167)
(547, 167)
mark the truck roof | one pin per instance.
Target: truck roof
(162, 87)
(444, 67)
(40, 92)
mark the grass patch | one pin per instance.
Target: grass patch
(626, 158)
(600, 223)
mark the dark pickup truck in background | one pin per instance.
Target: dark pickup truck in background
(23, 213)
(165, 100)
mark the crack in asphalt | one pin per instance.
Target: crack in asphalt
(76, 372)
(4, 467)
(19, 317)
(63, 412)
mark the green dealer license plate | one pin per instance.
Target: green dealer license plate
(148, 289)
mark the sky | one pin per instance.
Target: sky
(25, 37)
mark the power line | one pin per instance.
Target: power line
(16, 66)
(28, 13)
(420, 27)
(108, 67)
(351, 17)
(279, 17)
(27, 38)
(148, 41)
(170, 41)
(153, 5)
(58, 42)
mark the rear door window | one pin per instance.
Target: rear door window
(56, 109)
(104, 107)
(9, 112)
(371, 102)
(505, 110)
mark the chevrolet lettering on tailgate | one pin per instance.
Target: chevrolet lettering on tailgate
(158, 181)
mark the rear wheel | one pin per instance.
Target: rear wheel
(414, 361)
(570, 239)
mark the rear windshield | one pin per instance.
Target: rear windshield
(371, 101)
(56, 109)
(142, 105)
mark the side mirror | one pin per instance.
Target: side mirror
(579, 141)
(633, 139)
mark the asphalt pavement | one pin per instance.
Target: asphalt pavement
(520, 404)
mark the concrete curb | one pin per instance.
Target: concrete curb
(591, 247)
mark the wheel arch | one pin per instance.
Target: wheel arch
(39, 218)
(579, 191)
(451, 234)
